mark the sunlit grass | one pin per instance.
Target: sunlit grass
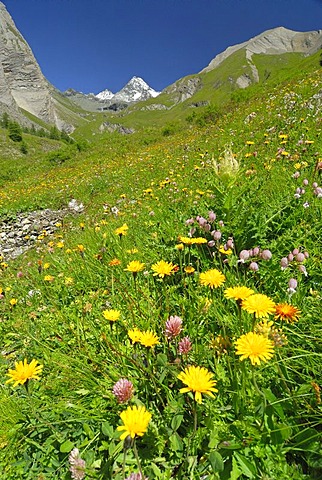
(120, 292)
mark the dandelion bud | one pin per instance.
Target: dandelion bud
(123, 390)
(211, 243)
(300, 257)
(296, 175)
(211, 216)
(298, 190)
(306, 254)
(192, 231)
(305, 182)
(296, 251)
(216, 234)
(244, 255)
(19, 274)
(207, 227)
(302, 191)
(184, 346)
(314, 185)
(256, 251)
(221, 223)
(290, 257)
(266, 254)
(77, 465)
(173, 327)
(253, 266)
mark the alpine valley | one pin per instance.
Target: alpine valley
(160, 269)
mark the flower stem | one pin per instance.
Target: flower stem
(137, 458)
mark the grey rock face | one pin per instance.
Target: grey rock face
(22, 84)
(184, 89)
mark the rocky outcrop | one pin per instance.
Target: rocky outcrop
(116, 127)
(183, 89)
(28, 229)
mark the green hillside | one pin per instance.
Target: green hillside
(172, 329)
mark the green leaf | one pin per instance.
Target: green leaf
(216, 462)
(162, 359)
(176, 422)
(176, 442)
(87, 429)
(277, 407)
(107, 429)
(66, 446)
(247, 468)
(82, 391)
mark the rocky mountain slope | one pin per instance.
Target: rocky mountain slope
(22, 84)
(237, 67)
(273, 42)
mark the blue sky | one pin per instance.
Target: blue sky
(90, 45)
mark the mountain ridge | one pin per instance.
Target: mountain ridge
(274, 41)
(23, 87)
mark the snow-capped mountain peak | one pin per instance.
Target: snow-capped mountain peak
(135, 90)
(105, 95)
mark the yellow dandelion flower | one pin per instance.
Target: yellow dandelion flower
(284, 311)
(225, 252)
(238, 293)
(189, 269)
(180, 246)
(135, 266)
(49, 278)
(122, 230)
(132, 250)
(250, 142)
(199, 240)
(69, 281)
(136, 421)
(212, 278)
(259, 304)
(254, 346)
(162, 268)
(60, 244)
(111, 315)
(46, 266)
(198, 380)
(135, 335)
(114, 262)
(148, 339)
(13, 302)
(24, 371)
(186, 240)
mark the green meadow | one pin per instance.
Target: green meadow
(172, 329)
